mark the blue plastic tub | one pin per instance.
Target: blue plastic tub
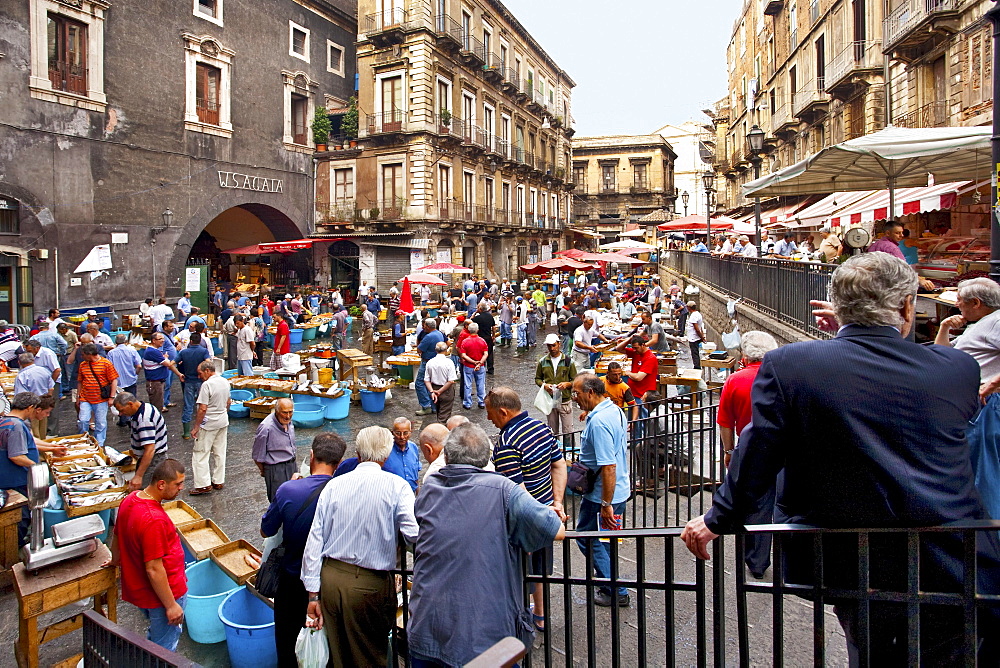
(230, 373)
(208, 586)
(50, 517)
(240, 395)
(309, 333)
(249, 629)
(308, 415)
(238, 410)
(372, 402)
(337, 409)
(295, 336)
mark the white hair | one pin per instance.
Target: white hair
(870, 290)
(984, 289)
(755, 344)
(472, 327)
(374, 444)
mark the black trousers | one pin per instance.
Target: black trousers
(290, 605)
(695, 353)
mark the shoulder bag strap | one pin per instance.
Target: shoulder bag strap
(97, 380)
(312, 497)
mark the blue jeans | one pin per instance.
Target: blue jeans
(423, 396)
(191, 388)
(100, 413)
(398, 350)
(246, 367)
(68, 377)
(161, 633)
(506, 331)
(477, 378)
(166, 388)
(587, 520)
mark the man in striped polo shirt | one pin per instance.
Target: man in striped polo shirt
(528, 453)
(149, 437)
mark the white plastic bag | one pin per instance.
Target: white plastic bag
(544, 401)
(272, 542)
(731, 340)
(311, 649)
(553, 319)
(388, 395)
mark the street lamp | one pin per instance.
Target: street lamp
(755, 140)
(684, 198)
(168, 217)
(708, 180)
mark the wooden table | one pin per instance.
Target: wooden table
(54, 587)
(692, 383)
(10, 515)
(729, 364)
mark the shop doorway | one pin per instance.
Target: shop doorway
(345, 268)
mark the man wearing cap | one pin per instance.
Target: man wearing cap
(7, 333)
(554, 374)
(368, 321)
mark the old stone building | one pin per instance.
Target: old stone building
(463, 149)
(620, 179)
(159, 133)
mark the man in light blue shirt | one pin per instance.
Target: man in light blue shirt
(51, 340)
(603, 450)
(786, 247)
(127, 363)
(471, 303)
(184, 305)
(404, 460)
(700, 247)
(32, 378)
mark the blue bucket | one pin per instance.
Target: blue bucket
(295, 336)
(238, 410)
(372, 402)
(51, 516)
(208, 585)
(308, 415)
(337, 409)
(249, 629)
(240, 395)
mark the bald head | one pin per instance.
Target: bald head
(456, 420)
(432, 439)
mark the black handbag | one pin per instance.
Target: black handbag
(270, 571)
(105, 389)
(580, 479)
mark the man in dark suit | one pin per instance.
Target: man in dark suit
(868, 430)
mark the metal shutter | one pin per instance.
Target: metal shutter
(391, 264)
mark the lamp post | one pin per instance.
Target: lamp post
(755, 140)
(708, 180)
(993, 15)
(684, 198)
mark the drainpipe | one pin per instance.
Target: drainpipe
(993, 15)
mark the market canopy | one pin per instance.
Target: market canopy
(633, 233)
(898, 157)
(555, 264)
(424, 279)
(697, 224)
(875, 206)
(283, 247)
(619, 245)
(444, 268)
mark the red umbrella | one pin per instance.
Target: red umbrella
(424, 279)
(555, 264)
(406, 299)
(572, 253)
(444, 268)
(696, 223)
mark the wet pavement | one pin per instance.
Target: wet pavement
(237, 510)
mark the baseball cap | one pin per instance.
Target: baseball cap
(460, 317)
(91, 312)
(4, 323)
(551, 338)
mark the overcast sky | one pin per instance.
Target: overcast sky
(637, 64)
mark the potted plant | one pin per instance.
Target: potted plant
(349, 123)
(445, 120)
(321, 127)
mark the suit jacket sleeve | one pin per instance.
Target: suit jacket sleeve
(757, 460)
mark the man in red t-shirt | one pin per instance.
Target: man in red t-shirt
(473, 351)
(282, 343)
(148, 550)
(643, 375)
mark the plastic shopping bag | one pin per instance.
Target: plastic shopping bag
(311, 649)
(544, 401)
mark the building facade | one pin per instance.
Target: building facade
(464, 145)
(619, 179)
(139, 138)
(812, 73)
(694, 143)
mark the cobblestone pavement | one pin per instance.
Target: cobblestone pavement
(237, 510)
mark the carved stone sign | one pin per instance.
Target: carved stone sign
(247, 182)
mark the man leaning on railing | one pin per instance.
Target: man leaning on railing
(869, 431)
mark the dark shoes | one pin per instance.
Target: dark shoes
(220, 485)
(606, 600)
(198, 491)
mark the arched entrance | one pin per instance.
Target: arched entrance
(345, 268)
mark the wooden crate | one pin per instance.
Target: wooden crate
(49, 458)
(200, 551)
(180, 507)
(220, 555)
(75, 511)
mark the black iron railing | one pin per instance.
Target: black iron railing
(781, 289)
(386, 122)
(107, 644)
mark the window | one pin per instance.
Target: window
(466, 29)
(392, 185)
(9, 219)
(793, 27)
(207, 67)
(67, 49)
(210, 10)
(488, 124)
(608, 177)
(207, 83)
(334, 58)
(343, 185)
(67, 52)
(520, 204)
(444, 95)
(503, 58)
(820, 63)
(487, 39)
(300, 111)
(488, 196)
(444, 189)
(580, 177)
(640, 176)
(505, 196)
(298, 41)
(468, 187)
(392, 94)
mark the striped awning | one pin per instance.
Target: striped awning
(875, 207)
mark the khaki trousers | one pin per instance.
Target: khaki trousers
(209, 448)
(367, 341)
(359, 608)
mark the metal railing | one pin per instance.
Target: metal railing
(386, 122)
(473, 47)
(511, 79)
(931, 115)
(342, 211)
(107, 644)
(862, 55)
(393, 208)
(779, 288)
(448, 28)
(69, 77)
(909, 15)
(811, 93)
(494, 65)
(385, 20)
(781, 116)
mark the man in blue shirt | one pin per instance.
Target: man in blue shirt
(127, 363)
(157, 368)
(292, 513)
(169, 329)
(188, 361)
(374, 305)
(603, 450)
(404, 459)
(471, 302)
(184, 305)
(700, 247)
(432, 336)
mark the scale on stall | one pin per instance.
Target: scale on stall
(70, 539)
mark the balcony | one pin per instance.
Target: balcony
(502, 148)
(474, 137)
(389, 209)
(782, 119)
(933, 115)
(341, 212)
(494, 68)
(855, 58)
(905, 25)
(639, 187)
(811, 98)
(773, 7)
(387, 122)
(472, 52)
(448, 31)
(608, 189)
(511, 82)
(535, 101)
(386, 28)
(72, 78)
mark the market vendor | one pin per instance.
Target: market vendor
(643, 375)
(583, 339)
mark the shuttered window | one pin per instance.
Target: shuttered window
(207, 83)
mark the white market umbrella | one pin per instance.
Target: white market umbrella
(633, 233)
(899, 157)
(621, 245)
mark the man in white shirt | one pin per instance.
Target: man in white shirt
(749, 250)
(54, 320)
(694, 332)
(439, 377)
(184, 305)
(352, 549)
(160, 312)
(582, 337)
(245, 343)
(210, 430)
